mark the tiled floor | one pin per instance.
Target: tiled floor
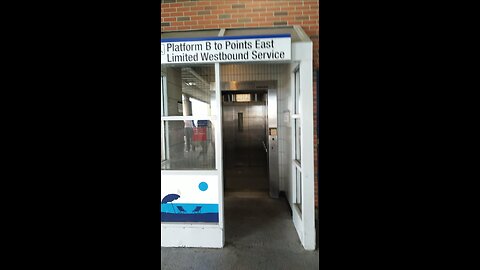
(259, 234)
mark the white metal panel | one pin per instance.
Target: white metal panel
(200, 235)
(219, 151)
(302, 52)
(298, 223)
(192, 236)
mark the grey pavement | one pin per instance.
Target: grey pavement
(259, 234)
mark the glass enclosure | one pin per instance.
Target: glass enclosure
(188, 99)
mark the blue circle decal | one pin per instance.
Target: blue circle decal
(203, 186)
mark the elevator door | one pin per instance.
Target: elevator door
(244, 144)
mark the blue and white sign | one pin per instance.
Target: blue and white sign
(226, 49)
(189, 198)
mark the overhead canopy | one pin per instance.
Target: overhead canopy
(296, 32)
(197, 80)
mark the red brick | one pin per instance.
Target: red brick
(217, 21)
(209, 26)
(184, 28)
(240, 11)
(269, 4)
(265, 23)
(238, 6)
(259, 9)
(253, 5)
(271, 18)
(209, 17)
(203, 3)
(307, 22)
(169, 28)
(302, 8)
(305, 12)
(286, 18)
(302, 18)
(217, 11)
(224, 16)
(197, 18)
(224, 7)
(176, 23)
(183, 9)
(190, 23)
(236, 15)
(197, 8)
(274, 9)
(230, 20)
(295, 13)
(238, 25)
(253, 14)
(252, 24)
(295, 3)
(169, 10)
(169, 19)
(287, 8)
(210, 7)
(244, 20)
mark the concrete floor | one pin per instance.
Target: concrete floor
(246, 179)
(259, 234)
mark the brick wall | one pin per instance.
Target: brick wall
(181, 15)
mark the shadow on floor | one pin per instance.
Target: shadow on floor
(259, 234)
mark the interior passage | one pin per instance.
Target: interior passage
(244, 141)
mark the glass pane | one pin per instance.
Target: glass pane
(297, 92)
(298, 176)
(189, 145)
(163, 142)
(189, 90)
(162, 82)
(298, 140)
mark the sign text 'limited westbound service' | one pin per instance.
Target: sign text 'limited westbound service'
(226, 50)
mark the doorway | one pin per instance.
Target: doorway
(245, 141)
